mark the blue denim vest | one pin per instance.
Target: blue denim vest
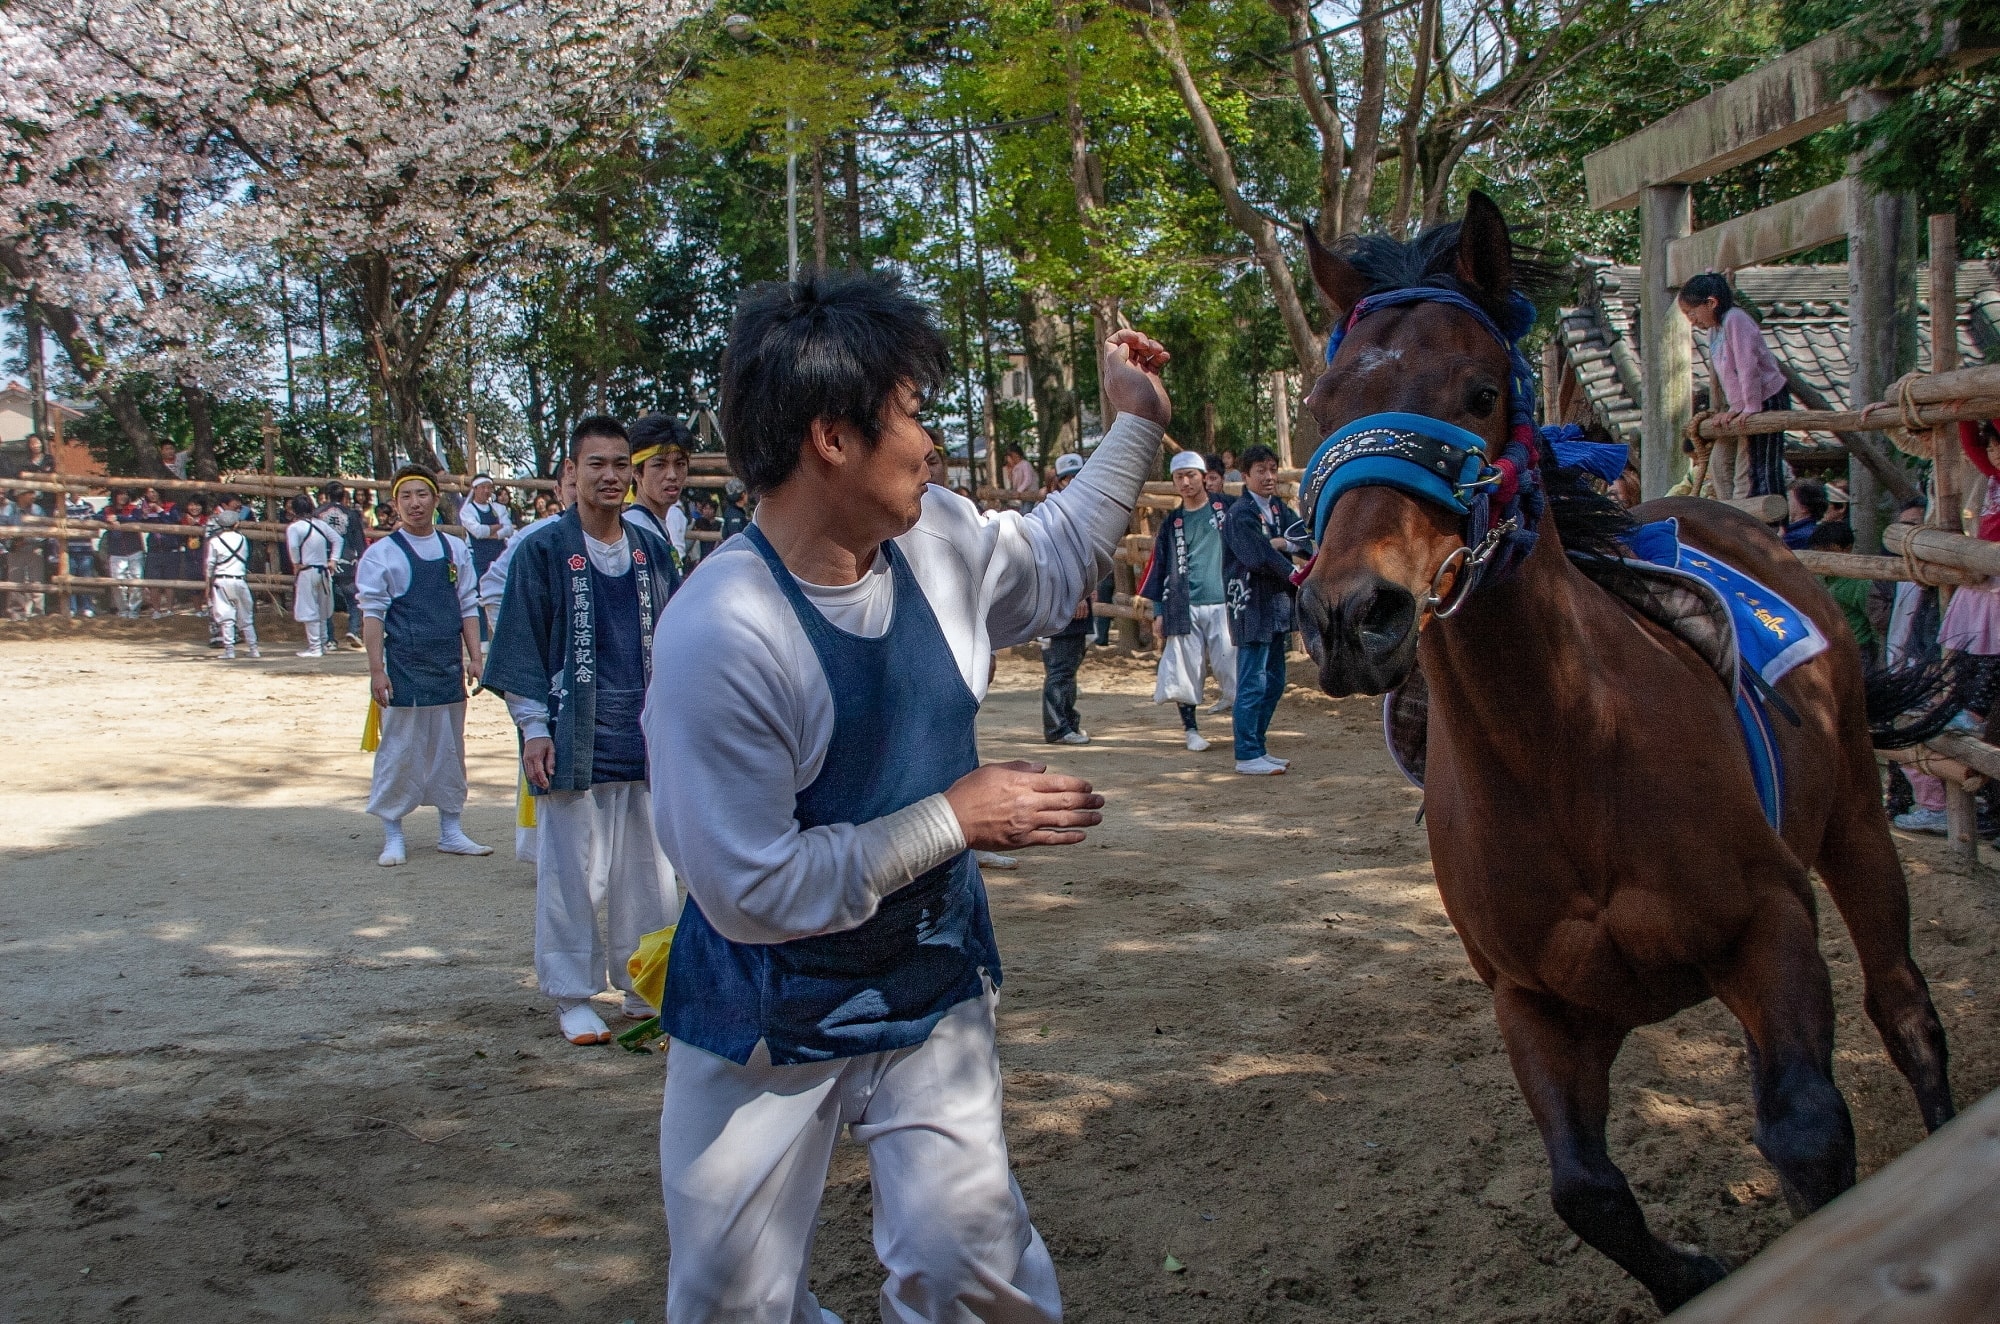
(422, 638)
(902, 731)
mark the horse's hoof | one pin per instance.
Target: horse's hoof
(1696, 1273)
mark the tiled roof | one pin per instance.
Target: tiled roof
(1804, 314)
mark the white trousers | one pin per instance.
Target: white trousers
(129, 567)
(1182, 657)
(597, 848)
(230, 607)
(421, 761)
(312, 597)
(743, 1161)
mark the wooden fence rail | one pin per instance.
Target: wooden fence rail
(1917, 1243)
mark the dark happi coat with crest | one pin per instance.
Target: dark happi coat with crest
(1257, 577)
(546, 642)
(1167, 575)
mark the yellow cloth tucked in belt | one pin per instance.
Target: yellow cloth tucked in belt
(371, 730)
(524, 805)
(648, 966)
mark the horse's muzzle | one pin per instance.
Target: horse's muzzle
(1366, 642)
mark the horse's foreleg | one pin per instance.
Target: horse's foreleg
(1858, 864)
(1562, 1058)
(1778, 987)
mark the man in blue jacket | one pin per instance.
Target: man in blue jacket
(1257, 558)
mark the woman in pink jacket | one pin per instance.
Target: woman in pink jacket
(1752, 381)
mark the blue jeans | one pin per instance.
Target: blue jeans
(1260, 683)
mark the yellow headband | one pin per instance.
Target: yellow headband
(425, 479)
(639, 457)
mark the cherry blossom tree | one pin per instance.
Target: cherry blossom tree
(413, 146)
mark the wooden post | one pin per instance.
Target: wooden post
(1666, 342)
(1948, 470)
(1961, 816)
(272, 563)
(1882, 308)
(1123, 581)
(1552, 360)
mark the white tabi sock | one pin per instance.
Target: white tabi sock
(393, 852)
(581, 1024)
(452, 839)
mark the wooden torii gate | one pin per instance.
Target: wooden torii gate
(1655, 169)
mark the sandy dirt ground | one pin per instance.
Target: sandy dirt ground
(247, 1075)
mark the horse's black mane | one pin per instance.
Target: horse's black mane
(1431, 259)
(1591, 522)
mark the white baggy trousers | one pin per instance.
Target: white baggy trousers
(1182, 655)
(421, 761)
(597, 848)
(743, 1162)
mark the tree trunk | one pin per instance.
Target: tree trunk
(87, 363)
(1367, 151)
(1325, 116)
(1407, 166)
(850, 190)
(1087, 181)
(819, 205)
(201, 422)
(1163, 34)
(399, 345)
(1055, 395)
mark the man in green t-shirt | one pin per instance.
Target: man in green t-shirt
(1184, 584)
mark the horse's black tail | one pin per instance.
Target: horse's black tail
(1912, 703)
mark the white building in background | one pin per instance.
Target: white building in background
(1017, 384)
(17, 413)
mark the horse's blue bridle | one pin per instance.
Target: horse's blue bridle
(1427, 458)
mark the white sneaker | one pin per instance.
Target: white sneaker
(1283, 763)
(227, 655)
(636, 1008)
(1222, 705)
(254, 652)
(987, 859)
(353, 640)
(1078, 737)
(1263, 767)
(1195, 742)
(311, 652)
(1922, 820)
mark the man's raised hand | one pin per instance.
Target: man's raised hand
(1008, 806)
(1131, 368)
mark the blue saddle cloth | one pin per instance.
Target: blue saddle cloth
(1771, 638)
(1737, 625)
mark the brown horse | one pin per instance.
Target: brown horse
(1596, 832)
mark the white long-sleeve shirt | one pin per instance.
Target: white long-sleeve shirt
(228, 555)
(312, 542)
(499, 526)
(383, 574)
(738, 715)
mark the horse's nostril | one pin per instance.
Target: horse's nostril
(1388, 619)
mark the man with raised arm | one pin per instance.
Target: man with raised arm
(835, 963)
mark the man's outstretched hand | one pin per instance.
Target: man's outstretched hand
(1131, 368)
(1006, 806)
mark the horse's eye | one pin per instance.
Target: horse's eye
(1482, 401)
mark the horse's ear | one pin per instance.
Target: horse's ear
(1340, 286)
(1485, 250)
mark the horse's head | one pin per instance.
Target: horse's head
(1390, 551)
